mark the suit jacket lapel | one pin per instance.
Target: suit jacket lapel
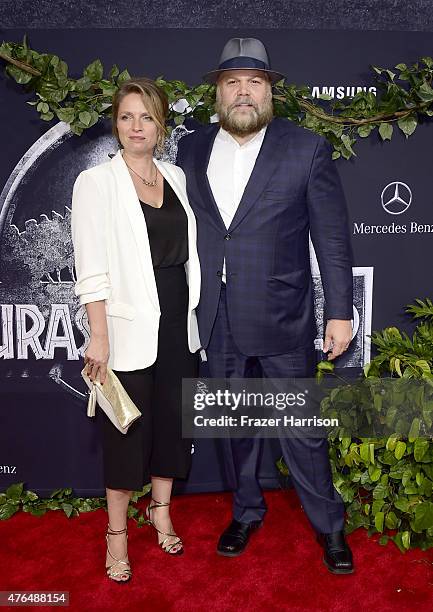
(266, 163)
(202, 156)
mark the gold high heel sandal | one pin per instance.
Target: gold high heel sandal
(166, 548)
(111, 569)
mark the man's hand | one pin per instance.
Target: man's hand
(338, 335)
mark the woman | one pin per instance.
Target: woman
(138, 274)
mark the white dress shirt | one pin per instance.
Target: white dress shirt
(229, 169)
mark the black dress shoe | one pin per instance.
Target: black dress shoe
(234, 539)
(338, 556)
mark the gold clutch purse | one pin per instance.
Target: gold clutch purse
(113, 400)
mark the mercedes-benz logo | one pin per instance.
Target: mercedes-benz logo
(396, 198)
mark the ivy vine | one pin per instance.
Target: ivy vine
(16, 498)
(404, 98)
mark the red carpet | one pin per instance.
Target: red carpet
(281, 569)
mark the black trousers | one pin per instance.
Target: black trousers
(153, 445)
(307, 458)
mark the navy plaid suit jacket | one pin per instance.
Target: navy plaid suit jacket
(294, 189)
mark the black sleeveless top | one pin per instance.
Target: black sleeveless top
(167, 228)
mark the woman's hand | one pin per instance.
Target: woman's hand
(96, 357)
(98, 351)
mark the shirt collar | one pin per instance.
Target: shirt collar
(227, 137)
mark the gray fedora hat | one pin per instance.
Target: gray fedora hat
(243, 54)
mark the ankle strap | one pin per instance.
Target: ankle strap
(116, 532)
(159, 504)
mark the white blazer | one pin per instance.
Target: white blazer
(113, 260)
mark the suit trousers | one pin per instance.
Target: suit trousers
(307, 459)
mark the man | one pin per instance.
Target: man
(258, 186)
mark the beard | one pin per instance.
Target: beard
(243, 124)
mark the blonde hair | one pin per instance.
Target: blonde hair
(154, 99)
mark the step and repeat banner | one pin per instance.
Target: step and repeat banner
(46, 439)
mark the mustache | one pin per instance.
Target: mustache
(243, 101)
